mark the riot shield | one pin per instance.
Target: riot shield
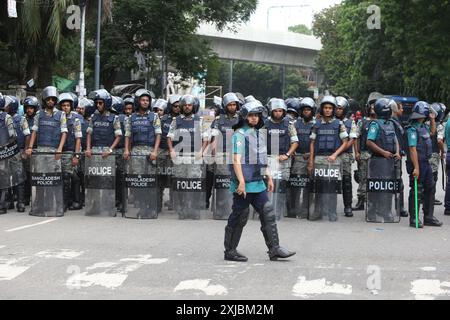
(383, 190)
(141, 182)
(298, 190)
(222, 196)
(188, 185)
(46, 185)
(279, 172)
(100, 185)
(326, 185)
(165, 172)
(11, 167)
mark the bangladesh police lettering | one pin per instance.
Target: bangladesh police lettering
(100, 171)
(45, 179)
(327, 173)
(140, 181)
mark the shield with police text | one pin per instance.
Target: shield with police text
(279, 171)
(189, 187)
(46, 185)
(298, 189)
(141, 182)
(100, 185)
(11, 167)
(383, 190)
(326, 185)
(222, 196)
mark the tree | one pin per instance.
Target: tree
(301, 28)
(408, 55)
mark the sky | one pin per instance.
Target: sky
(283, 18)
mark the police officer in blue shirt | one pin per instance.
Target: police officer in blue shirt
(248, 187)
(418, 164)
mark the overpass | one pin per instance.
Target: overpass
(262, 46)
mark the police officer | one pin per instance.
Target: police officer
(103, 134)
(397, 112)
(187, 139)
(282, 141)
(50, 131)
(8, 139)
(173, 106)
(23, 138)
(418, 163)
(222, 131)
(304, 124)
(382, 142)
(31, 105)
(248, 186)
(117, 108)
(329, 139)
(71, 156)
(342, 113)
(142, 140)
(165, 165)
(362, 154)
(438, 148)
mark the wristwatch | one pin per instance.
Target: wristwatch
(287, 155)
(111, 150)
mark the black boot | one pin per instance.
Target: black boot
(447, 212)
(3, 204)
(10, 199)
(28, 189)
(76, 193)
(21, 197)
(347, 195)
(412, 222)
(270, 233)
(232, 238)
(360, 205)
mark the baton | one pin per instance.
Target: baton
(443, 174)
(416, 202)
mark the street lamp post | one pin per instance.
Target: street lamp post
(282, 7)
(97, 53)
(81, 84)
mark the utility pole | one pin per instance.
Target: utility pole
(97, 54)
(81, 85)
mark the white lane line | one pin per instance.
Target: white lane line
(31, 225)
(1, 247)
(202, 285)
(312, 288)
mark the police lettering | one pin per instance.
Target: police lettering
(100, 171)
(101, 124)
(277, 131)
(383, 186)
(45, 180)
(327, 173)
(189, 185)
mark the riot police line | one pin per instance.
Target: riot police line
(110, 166)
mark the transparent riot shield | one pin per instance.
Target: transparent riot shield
(188, 185)
(279, 172)
(12, 172)
(100, 185)
(383, 190)
(222, 196)
(326, 186)
(165, 172)
(46, 185)
(141, 182)
(298, 191)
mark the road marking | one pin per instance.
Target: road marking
(1, 247)
(428, 269)
(110, 275)
(12, 268)
(202, 285)
(307, 289)
(424, 289)
(65, 254)
(31, 225)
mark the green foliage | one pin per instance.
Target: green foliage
(409, 55)
(300, 28)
